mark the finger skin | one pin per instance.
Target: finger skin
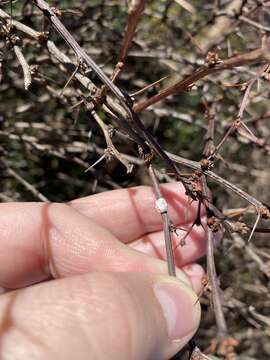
(91, 316)
(196, 275)
(130, 213)
(193, 247)
(60, 242)
(39, 240)
(194, 272)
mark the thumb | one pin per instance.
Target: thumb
(93, 316)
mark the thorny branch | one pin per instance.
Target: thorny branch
(212, 66)
(135, 9)
(197, 166)
(62, 58)
(111, 150)
(124, 101)
(124, 114)
(222, 331)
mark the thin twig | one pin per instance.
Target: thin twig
(211, 268)
(251, 251)
(135, 9)
(27, 185)
(162, 208)
(187, 6)
(254, 23)
(5, 198)
(248, 88)
(25, 67)
(222, 330)
(197, 166)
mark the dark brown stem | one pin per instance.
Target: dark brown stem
(254, 56)
(134, 13)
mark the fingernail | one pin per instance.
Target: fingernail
(179, 308)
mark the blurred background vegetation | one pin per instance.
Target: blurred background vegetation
(48, 138)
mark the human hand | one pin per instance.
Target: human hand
(109, 298)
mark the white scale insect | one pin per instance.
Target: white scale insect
(161, 205)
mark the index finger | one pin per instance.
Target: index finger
(130, 213)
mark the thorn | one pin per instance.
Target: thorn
(149, 86)
(254, 226)
(97, 162)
